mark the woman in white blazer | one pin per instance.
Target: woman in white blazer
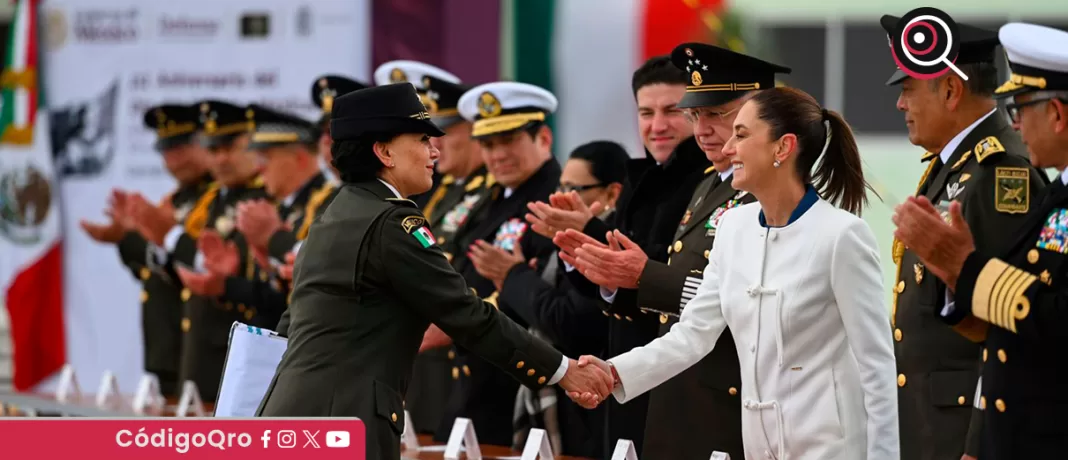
(798, 282)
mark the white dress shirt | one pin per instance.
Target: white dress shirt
(806, 308)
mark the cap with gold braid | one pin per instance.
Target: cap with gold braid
(411, 72)
(504, 106)
(175, 125)
(1038, 59)
(327, 89)
(222, 122)
(719, 75)
(274, 128)
(976, 45)
(441, 99)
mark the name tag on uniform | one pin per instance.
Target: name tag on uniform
(1054, 234)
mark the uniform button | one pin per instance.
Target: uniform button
(1001, 355)
(519, 365)
(773, 235)
(1032, 256)
(250, 313)
(452, 354)
(186, 294)
(897, 334)
(455, 372)
(530, 373)
(144, 296)
(467, 370)
(900, 380)
(541, 380)
(752, 349)
(393, 416)
(669, 250)
(732, 391)
(240, 307)
(961, 400)
(145, 273)
(982, 402)
(984, 355)
(1000, 405)
(605, 313)
(707, 252)
(617, 316)
(900, 287)
(186, 324)
(441, 240)
(678, 246)
(629, 318)
(663, 318)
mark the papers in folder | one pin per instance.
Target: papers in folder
(251, 360)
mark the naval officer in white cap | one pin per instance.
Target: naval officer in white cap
(508, 119)
(1022, 290)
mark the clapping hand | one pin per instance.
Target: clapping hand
(286, 270)
(153, 222)
(619, 265)
(588, 381)
(119, 221)
(494, 263)
(942, 247)
(257, 220)
(221, 257)
(564, 211)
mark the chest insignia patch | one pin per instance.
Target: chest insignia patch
(1054, 234)
(713, 220)
(954, 189)
(1012, 190)
(458, 214)
(509, 234)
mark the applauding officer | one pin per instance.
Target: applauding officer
(370, 279)
(973, 158)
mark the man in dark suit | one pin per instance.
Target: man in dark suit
(652, 204)
(206, 322)
(175, 126)
(508, 120)
(697, 412)
(1020, 290)
(972, 153)
(370, 279)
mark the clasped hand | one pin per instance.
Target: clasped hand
(588, 381)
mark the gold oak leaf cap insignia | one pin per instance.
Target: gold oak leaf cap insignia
(411, 223)
(501, 107)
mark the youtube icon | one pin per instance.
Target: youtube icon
(337, 439)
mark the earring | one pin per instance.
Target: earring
(776, 163)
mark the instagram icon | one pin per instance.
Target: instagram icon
(287, 439)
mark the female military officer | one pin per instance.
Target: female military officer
(369, 280)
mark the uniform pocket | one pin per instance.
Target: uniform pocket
(390, 406)
(952, 388)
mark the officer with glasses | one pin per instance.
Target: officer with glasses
(1019, 290)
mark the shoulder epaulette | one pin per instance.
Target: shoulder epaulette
(403, 202)
(475, 183)
(710, 170)
(988, 147)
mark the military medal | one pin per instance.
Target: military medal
(509, 234)
(458, 215)
(713, 221)
(224, 224)
(1054, 235)
(686, 217)
(1044, 277)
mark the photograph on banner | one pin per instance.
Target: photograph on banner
(107, 62)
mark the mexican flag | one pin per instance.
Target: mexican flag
(31, 261)
(585, 52)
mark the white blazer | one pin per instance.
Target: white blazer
(805, 304)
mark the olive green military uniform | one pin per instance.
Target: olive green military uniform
(161, 304)
(206, 321)
(989, 174)
(698, 411)
(359, 310)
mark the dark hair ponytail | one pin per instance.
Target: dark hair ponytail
(839, 176)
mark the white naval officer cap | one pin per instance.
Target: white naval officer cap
(1038, 58)
(413, 72)
(505, 106)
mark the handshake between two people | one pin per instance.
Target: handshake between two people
(588, 381)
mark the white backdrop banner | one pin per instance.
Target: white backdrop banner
(109, 60)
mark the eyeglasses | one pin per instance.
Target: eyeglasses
(695, 115)
(1013, 108)
(568, 188)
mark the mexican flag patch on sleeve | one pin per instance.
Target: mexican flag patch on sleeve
(424, 236)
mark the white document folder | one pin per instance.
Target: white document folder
(251, 360)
